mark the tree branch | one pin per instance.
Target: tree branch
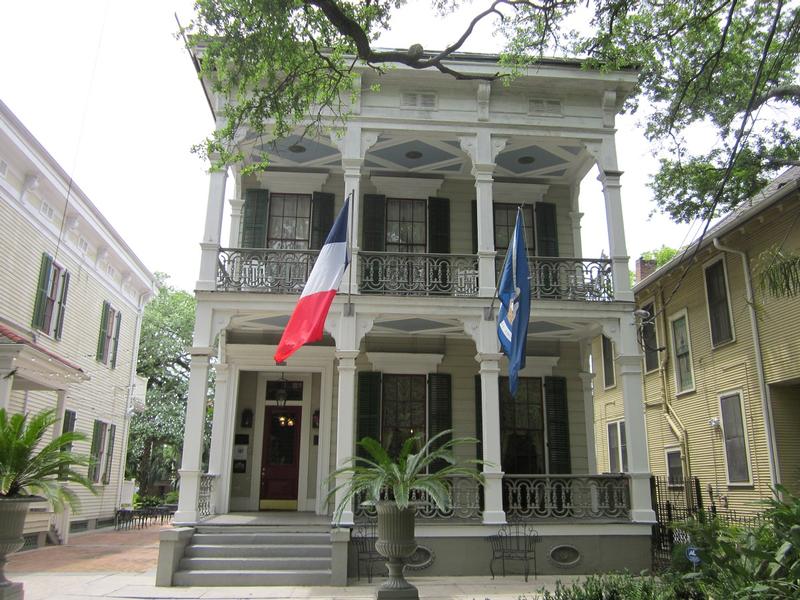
(781, 92)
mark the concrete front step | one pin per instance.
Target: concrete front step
(278, 563)
(262, 537)
(235, 578)
(256, 550)
(289, 528)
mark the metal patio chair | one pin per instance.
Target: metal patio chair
(515, 541)
(364, 538)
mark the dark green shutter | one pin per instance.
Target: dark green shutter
(94, 455)
(62, 305)
(368, 411)
(555, 395)
(546, 229)
(474, 226)
(254, 219)
(112, 430)
(41, 291)
(478, 417)
(374, 223)
(101, 339)
(440, 409)
(439, 225)
(321, 218)
(67, 426)
(117, 324)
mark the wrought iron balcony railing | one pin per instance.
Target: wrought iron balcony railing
(465, 503)
(580, 497)
(205, 506)
(554, 278)
(405, 274)
(264, 269)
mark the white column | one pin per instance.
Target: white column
(345, 421)
(616, 234)
(629, 373)
(190, 470)
(352, 185)
(588, 415)
(6, 382)
(575, 220)
(219, 462)
(213, 230)
(237, 206)
(483, 148)
(490, 411)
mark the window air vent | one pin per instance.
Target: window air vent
(544, 106)
(46, 210)
(425, 100)
(3, 168)
(83, 244)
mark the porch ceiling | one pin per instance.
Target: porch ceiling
(549, 161)
(400, 326)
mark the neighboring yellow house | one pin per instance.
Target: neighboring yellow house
(722, 375)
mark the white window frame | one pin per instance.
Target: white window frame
(57, 274)
(418, 100)
(671, 450)
(643, 305)
(675, 370)
(622, 457)
(102, 452)
(603, 362)
(708, 264)
(749, 482)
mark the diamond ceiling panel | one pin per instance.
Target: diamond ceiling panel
(428, 154)
(545, 327)
(298, 150)
(542, 159)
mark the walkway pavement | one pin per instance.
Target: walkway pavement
(122, 564)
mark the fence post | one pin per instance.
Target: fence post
(700, 512)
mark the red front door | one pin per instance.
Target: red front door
(280, 461)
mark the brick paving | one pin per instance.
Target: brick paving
(131, 551)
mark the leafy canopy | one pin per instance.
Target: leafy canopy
(380, 477)
(289, 66)
(29, 467)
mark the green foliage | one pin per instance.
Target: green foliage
(617, 586)
(661, 255)
(778, 272)
(156, 435)
(171, 497)
(29, 466)
(147, 501)
(761, 562)
(412, 471)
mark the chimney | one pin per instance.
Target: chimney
(644, 268)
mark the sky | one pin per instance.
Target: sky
(111, 93)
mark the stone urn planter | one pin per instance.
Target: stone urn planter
(395, 543)
(420, 471)
(12, 522)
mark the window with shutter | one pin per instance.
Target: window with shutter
(546, 229)
(674, 468)
(51, 297)
(522, 427)
(321, 218)
(374, 223)
(254, 219)
(440, 408)
(289, 226)
(108, 338)
(115, 340)
(682, 353)
(617, 447)
(609, 375)
(558, 442)
(403, 414)
(505, 219)
(649, 340)
(719, 313)
(97, 452)
(478, 418)
(439, 225)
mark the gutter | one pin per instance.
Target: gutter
(769, 422)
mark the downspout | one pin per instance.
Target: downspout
(769, 424)
(673, 420)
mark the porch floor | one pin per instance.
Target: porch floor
(268, 517)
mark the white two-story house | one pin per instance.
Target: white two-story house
(71, 299)
(437, 169)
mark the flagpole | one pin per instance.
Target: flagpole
(348, 307)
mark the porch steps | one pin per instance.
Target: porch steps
(256, 555)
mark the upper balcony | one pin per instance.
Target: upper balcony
(404, 274)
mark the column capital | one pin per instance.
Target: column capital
(629, 364)
(576, 217)
(346, 355)
(483, 172)
(586, 377)
(609, 178)
(222, 371)
(489, 361)
(236, 203)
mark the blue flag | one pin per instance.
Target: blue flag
(514, 293)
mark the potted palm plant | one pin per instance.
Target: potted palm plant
(32, 470)
(391, 485)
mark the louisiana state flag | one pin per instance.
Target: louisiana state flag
(514, 293)
(308, 319)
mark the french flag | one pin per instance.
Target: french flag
(308, 318)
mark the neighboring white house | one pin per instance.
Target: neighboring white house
(437, 168)
(71, 299)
